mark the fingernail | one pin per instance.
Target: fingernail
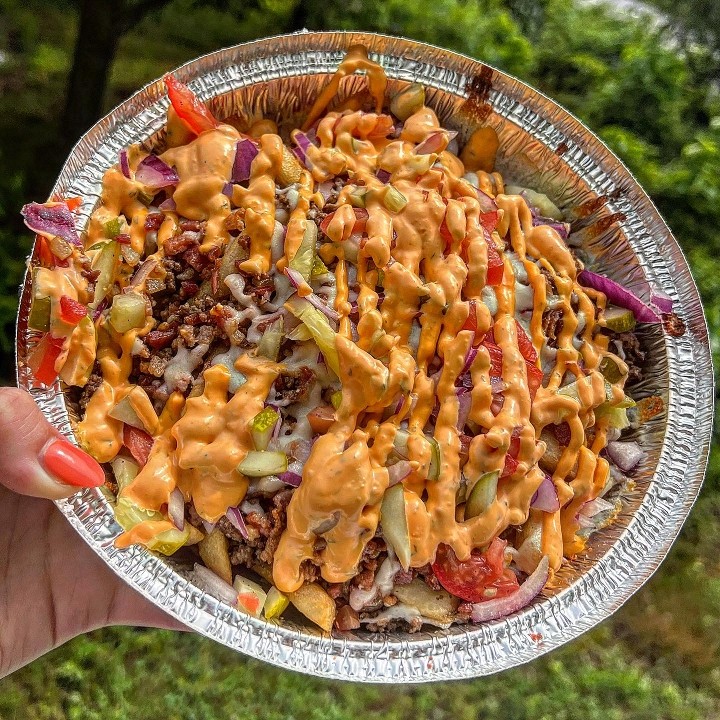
(70, 465)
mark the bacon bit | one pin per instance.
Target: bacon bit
(159, 339)
(347, 619)
(192, 225)
(235, 221)
(188, 288)
(195, 259)
(673, 325)
(178, 243)
(214, 253)
(153, 221)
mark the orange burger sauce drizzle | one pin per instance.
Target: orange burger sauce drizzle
(431, 259)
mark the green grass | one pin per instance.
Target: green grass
(123, 673)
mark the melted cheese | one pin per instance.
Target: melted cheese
(433, 255)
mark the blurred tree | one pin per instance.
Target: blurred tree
(100, 28)
(484, 29)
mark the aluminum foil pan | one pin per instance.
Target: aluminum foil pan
(542, 146)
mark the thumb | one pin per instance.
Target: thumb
(35, 459)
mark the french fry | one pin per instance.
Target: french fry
(310, 599)
(195, 535)
(214, 553)
(291, 169)
(434, 604)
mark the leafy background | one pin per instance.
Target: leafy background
(646, 77)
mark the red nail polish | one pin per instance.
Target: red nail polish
(70, 465)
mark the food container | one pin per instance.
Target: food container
(541, 146)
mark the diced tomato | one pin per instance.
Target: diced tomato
(189, 109)
(483, 576)
(321, 418)
(496, 358)
(471, 321)
(534, 377)
(525, 344)
(445, 235)
(43, 253)
(511, 465)
(43, 357)
(489, 220)
(496, 266)
(250, 602)
(361, 218)
(73, 203)
(138, 442)
(71, 311)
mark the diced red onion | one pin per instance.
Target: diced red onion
(208, 526)
(626, 455)
(325, 189)
(176, 509)
(227, 190)
(399, 471)
(497, 385)
(99, 309)
(618, 295)
(295, 277)
(167, 205)
(383, 176)
(303, 142)
(156, 173)
(593, 507)
(208, 581)
(236, 519)
(245, 153)
(326, 310)
(501, 607)
(124, 164)
(464, 405)
(291, 478)
(487, 204)
(51, 219)
(141, 274)
(300, 450)
(469, 358)
(435, 142)
(546, 497)
(561, 228)
(661, 301)
(296, 280)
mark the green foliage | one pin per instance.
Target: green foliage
(651, 94)
(118, 674)
(480, 29)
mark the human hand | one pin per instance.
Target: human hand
(52, 585)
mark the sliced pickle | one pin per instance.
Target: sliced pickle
(610, 369)
(393, 519)
(258, 463)
(408, 101)
(482, 495)
(618, 319)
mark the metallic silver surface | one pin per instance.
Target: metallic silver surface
(542, 146)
